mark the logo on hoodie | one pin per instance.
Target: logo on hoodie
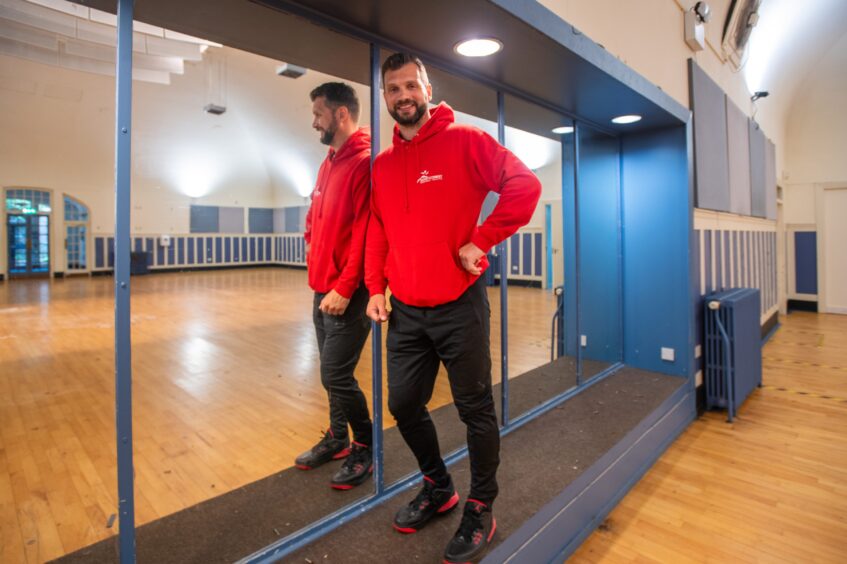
(426, 177)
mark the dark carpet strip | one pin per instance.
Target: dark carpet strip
(538, 461)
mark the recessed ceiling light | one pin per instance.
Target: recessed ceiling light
(563, 130)
(480, 47)
(626, 119)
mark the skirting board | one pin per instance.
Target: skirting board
(558, 529)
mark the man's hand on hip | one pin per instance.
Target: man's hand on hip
(471, 255)
(376, 308)
(334, 303)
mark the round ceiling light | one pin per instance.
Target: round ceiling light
(563, 130)
(481, 47)
(632, 118)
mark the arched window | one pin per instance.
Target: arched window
(74, 210)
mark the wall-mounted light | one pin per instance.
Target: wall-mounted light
(695, 35)
(478, 47)
(759, 94)
(563, 130)
(290, 71)
(629, 118)
(214, 109)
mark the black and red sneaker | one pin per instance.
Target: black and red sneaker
(429, 502)
(356, 469)
(474, 534)
(329, 448)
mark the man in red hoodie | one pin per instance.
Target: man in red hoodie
(424, 242)
(335, 236)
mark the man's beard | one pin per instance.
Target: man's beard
(420, 110)
(328, 134)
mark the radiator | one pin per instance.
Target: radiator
(733, 348)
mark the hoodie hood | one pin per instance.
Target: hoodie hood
(358, 141)
(439, 118)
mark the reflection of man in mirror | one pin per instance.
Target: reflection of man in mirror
(424, 242)
(335, 238)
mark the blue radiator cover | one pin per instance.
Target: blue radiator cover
(739, 314)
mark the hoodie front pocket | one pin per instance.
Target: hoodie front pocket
(426, 274)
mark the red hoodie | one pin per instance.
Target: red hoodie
(338, 217)
(426, 198)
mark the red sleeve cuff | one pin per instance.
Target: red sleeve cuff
(482, 242)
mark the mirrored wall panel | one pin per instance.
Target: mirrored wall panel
(539, 366)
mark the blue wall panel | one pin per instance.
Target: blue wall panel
(180, 246)
(695, 291)
(707, 263)
(599, 240)
(260, 220)
(657, 229)
(514, 253)
(719, 260)
(536, 271)
(218, 249)
(204, 219)
(228, 250)
(99, 260)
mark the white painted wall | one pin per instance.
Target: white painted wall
(816, 163)
(648, 36)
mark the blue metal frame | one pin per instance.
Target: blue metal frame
(503, 251)
(548, 232)
(578, 314)
(123, 345)
(376, 328)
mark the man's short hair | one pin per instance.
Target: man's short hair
(398, 60)
(338, 94)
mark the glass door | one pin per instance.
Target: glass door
(76, 248)
(29, 245)
(76, 235)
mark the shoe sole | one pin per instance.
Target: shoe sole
(351, 485)
(475, 557)
(337, 456)
(443, 510)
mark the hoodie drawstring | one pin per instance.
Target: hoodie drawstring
(405, 179)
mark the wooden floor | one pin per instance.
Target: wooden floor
(226, 391)
(770, 487)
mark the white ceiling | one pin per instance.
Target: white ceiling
(60, 33)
